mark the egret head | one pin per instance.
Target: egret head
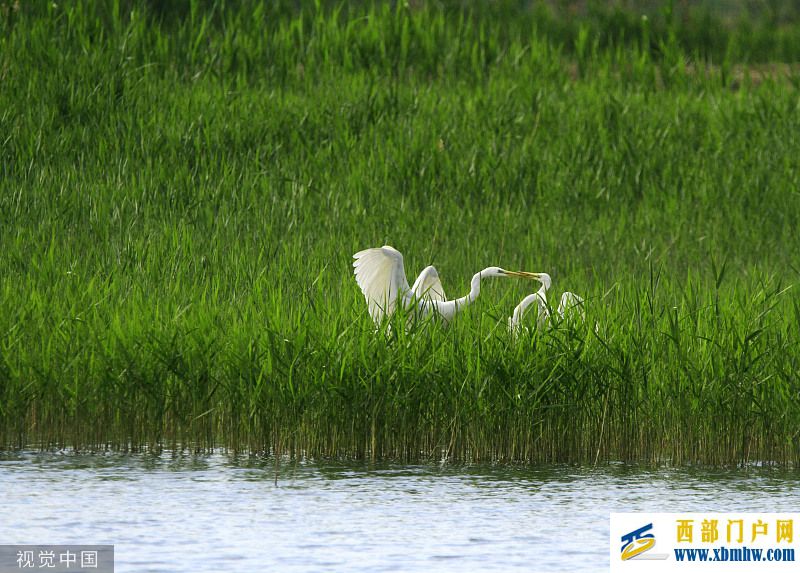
(544, 278)
(491, 272)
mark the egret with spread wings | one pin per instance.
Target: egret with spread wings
(382, 278)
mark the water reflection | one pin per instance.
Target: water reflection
(176, 512)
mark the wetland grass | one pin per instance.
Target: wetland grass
(181, 192)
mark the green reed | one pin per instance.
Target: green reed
(183, 185)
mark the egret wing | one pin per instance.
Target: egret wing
(380, 274)
(428, 286)
(571, 303)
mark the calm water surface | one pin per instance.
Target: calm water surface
(217, 513)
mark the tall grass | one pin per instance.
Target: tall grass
(183, 185)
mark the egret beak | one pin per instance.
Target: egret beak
(524, 275)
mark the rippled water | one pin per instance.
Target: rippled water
(217, 513)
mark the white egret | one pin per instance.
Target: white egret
(380, 274)
(570, 305)
(540, 298)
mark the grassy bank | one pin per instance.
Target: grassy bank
(181, 193)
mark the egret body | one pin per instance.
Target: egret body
(381, 276)
(570, 305)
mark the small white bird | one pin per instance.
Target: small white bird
(380, 274)
(570, 305)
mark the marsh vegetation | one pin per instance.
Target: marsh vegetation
(181, 191)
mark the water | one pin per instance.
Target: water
(216, 513)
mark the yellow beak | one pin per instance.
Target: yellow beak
(525, 275)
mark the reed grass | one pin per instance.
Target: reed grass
(183, 185)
